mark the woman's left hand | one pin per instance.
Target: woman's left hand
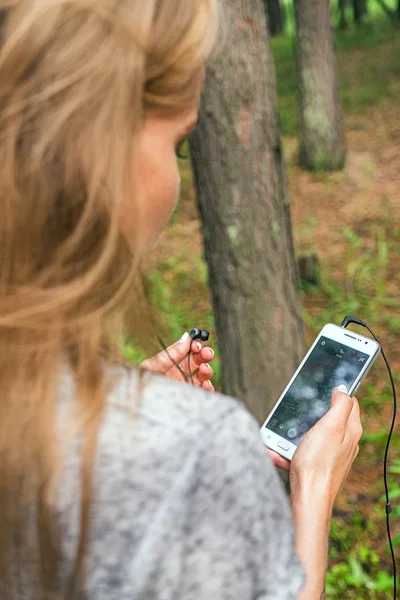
(200, 357)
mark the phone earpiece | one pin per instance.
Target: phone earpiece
(199, 334)
(195, 334)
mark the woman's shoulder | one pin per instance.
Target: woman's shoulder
(162, 402)
(147, 407)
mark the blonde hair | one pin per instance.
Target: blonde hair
(76, 78)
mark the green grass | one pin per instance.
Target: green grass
(363, 289)
(368, 65)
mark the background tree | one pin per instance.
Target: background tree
(241, 189)
(389, 12)
(322, 144)
(342, 14)
(360, 9)
(276, 16)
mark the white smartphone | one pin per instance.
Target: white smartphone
(337, 357)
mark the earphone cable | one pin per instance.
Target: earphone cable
(345, 323)
(189, 356)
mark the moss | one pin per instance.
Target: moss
(233, 233)
(276, 230)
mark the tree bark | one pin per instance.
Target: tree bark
(275, 15)
(322, 144)
(242, 197)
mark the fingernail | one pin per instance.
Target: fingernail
(212, 351)
(209, 383)
(198, 345)
(342, 388)
(184, 338)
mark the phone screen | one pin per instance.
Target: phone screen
(330, 364)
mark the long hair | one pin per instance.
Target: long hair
(76, 80)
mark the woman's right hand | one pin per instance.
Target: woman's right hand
(324, 457)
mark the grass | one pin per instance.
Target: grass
(363, 287)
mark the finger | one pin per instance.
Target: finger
(341, 407)
(166, 359)
(279, 461)
(207, 354)
(197, 359)
(205, 372)
(192, 361)
(207, 385)
(204, 383)
(354, 426)
(196, 347)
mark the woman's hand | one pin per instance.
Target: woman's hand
(329, 448)
(325, 456)
(200, 358)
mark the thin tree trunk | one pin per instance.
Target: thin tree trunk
(359, 10)
(342, 11)
(241, 185)
(322, 145)
(273, 9)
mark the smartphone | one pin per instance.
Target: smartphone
(337, 357)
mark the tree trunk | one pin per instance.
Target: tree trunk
(241, 184)
(322, 145)
(275, 16)
(342, 11)
(398, 9)
(359, 10)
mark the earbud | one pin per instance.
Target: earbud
(199, 334)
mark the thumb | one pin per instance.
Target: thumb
(164, 360)
(341, 406)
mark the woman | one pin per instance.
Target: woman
(116, 484)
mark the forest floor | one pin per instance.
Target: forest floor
(351, 220)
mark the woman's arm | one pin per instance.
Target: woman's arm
(318, 471)
(312, 521)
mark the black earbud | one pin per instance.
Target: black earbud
(199, 334)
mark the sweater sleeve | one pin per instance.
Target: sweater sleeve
(240, 542)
